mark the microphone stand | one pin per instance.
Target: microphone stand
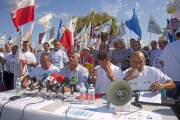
(63, 93)
(136, 100)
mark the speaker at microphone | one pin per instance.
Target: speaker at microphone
(119, 92)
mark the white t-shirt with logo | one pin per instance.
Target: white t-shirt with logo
(6, 54)
(2, 55)
(102, 81)
(59, 58)
(146, 78)
(38, 72)
(156, 61)
(29, 57)
(10, 63)
(171, 58)
(38, 56)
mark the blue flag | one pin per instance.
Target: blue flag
(59, 35)
(134, 24)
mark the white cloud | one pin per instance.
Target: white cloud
(111, 9)
(10, 1)
(140, 11)
(129, 13)
(42, 3)
(125, 5)
(159, 9)
(137, 5)
(63, 15)
(91, 9)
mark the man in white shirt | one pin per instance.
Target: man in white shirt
(170, 59)
(149, 78)
(75, 69)
(1, 79)
(39, 71)
(4, 60)
(104, 73)
(38, 55)
(29, 57)
(10, 67)
(59, 57)
(162, 43)
(153, 51)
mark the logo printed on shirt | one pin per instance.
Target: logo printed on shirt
(146, 82)
(133, 83)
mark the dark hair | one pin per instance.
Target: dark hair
(25, 42)
(178, 34)
(132, 39)
(7, 44)
(46, 44)
(137, 42)
(56, 41)
(15, 46)
(102, 55)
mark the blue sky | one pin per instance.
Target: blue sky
(65, 8)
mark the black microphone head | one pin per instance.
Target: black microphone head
(66, 80)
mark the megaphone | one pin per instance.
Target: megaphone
(119, 92)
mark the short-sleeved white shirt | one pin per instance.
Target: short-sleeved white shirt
(146, 78)
(38, 72)
(59, 58)
(29, 57)
(171, 58)
(156, 61)
(2, 55)
(6, 54)
(102, 81)
(10, 63)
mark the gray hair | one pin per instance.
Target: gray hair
(75, 52)
(46, 54)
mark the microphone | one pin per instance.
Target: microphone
(51, 79)
(46, 75)
(59, 80)
(65, 82)
(73, 83)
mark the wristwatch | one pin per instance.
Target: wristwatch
(111, 77)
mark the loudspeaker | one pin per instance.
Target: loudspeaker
(119, 92)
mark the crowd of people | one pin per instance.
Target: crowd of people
(157, 68)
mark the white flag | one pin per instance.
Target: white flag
(106, 27)
(84, 41)
(27, 36)
(74, 22)
(46, 21)
(121, 30)
(113, 41)
(88, 30)
(2, 40)
(173, 8)
(43, 40)
(18, 40)
(97, 44)
(80, 35)
(153, 27)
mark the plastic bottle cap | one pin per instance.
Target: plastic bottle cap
(91, 85)
(82, 84)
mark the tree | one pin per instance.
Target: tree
(97, 19)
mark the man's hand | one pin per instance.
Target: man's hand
(26, 62)
(67, 89)
(109, 72)
(8, 72)
(94, 74)
(156, 86)
(129, 75)
(25, 83)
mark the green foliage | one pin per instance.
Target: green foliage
(97, 19)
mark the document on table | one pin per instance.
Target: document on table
(150, 97)
(27, 100)
(5, 97)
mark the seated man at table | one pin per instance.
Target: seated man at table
(149, 78)
(39, 71)
(104, 73)
(75, 69)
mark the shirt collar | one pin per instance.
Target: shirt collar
(77, 68)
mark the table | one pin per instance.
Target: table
(46, 113)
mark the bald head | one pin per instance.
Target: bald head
(137, 60)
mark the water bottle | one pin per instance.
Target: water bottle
(18, 85)
(91, 94)
(82, 91)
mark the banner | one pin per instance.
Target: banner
(173, 8)
(121, 30)
(111, 37)
(89, 67)
(27, 36)
(94, 36)
(175, 23)
(41, 36)
(106, 27)
(51, 33)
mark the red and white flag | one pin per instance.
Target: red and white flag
(67, 39)
(22, 12)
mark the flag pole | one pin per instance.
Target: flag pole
(150, 36)
(32, 33)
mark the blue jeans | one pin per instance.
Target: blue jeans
(0, 80)
(174, 93)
